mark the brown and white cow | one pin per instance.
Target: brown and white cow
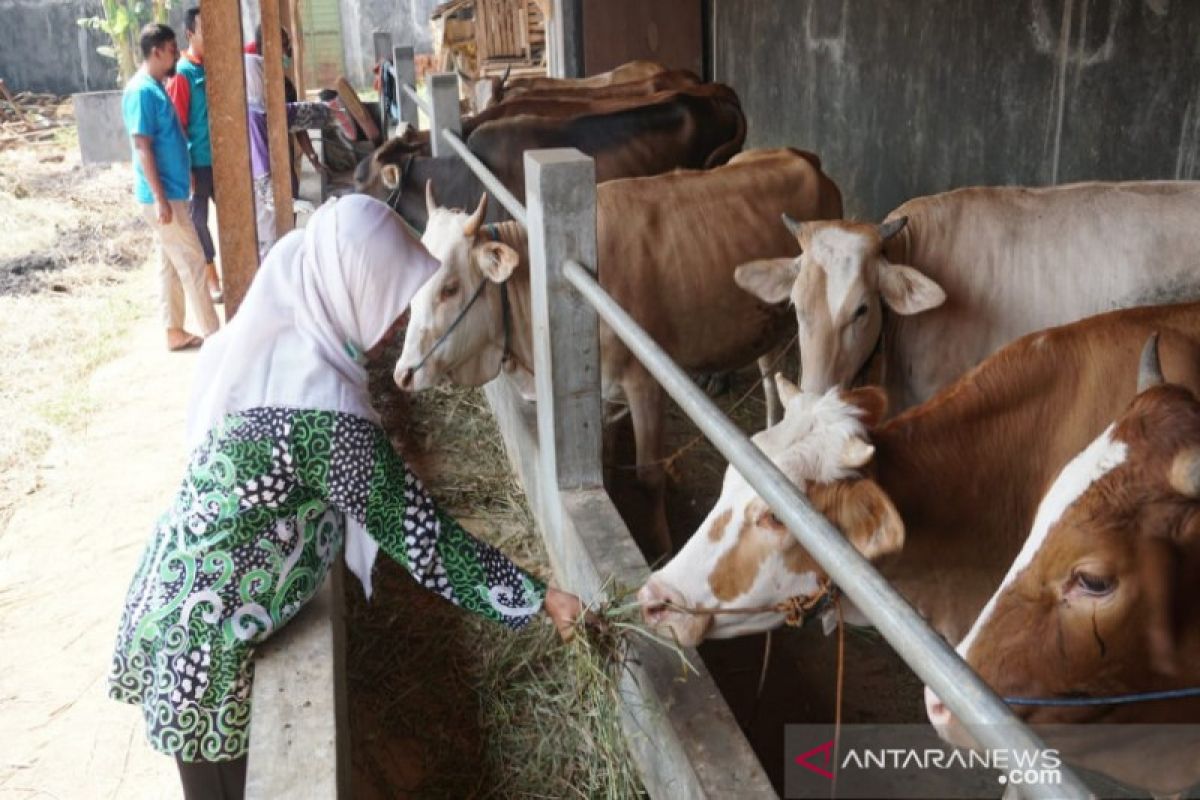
(1103, 597)
(974, 269)
(694, 128)
(950, 493)
(667, 247)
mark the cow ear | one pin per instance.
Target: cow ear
(870, 400)
(906, 291)
(496, 261)
(863, 513)
(787, 390)
(390, 173)
(769, 279)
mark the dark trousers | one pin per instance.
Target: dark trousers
(201, 194)
(213, 780)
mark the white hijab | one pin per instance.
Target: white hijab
(256, 93)
(324, 296)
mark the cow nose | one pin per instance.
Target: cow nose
(656, 598)
(404, 379)
(938, 714)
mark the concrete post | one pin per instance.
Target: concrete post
(406, 73)
(560, 194)
(383, 52)
(443, 96)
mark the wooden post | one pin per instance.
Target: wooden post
(277, 126)
(406, 73)
(297, 29)
(383, 52)
(226, 79)
(443, 95)
(560, 193)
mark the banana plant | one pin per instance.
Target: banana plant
(122, 21)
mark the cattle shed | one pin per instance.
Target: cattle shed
(902, 99)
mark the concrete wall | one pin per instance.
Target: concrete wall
(406, 20)
(909, 97)
(43, 49)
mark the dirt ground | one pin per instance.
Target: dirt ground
(90, 449)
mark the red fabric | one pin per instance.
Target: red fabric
(251, 48)
(180, 92)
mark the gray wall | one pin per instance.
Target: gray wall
(42, 49)
(406, 20)
(908, 97)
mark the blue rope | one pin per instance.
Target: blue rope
(1113, 700)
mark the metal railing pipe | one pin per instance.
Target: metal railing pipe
(983, 713)
(421, 102)
(490, 181)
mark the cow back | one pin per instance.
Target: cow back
(669, 246)
(1014, 260)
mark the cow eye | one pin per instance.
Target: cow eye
(1093, 584)
(449, 290)
(861, 312)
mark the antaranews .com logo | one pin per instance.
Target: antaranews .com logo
(901, 761)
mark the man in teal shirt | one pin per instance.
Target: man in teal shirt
(162, 179)
(189, 92)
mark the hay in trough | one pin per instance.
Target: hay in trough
(444, 704)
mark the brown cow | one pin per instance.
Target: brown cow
(974, 269)
(951, 491)
(696, 128)
(667, 247)
(499, 90)
(1102, 600)
(556, 104)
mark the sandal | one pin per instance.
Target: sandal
(191, 343)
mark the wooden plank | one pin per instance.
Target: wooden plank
(355, 108)
(231, 147)
(298, 48)
(277, 125)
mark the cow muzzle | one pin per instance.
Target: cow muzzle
(661, 610)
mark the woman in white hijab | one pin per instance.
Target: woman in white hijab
(288, 461)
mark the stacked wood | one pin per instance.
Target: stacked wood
(27, 116)
(486, 38)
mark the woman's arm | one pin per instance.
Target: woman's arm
(351, 462)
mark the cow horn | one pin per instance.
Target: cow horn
(430, 202)
(795, 227)
(787, 390)
(504, 77)
(856, 453)
(1185, 472)
(476, 219)
(1149, 368)
(891, 227)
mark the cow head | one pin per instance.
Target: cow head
(838, 286)
(743, 557)
(1102, 598)
(472, 353)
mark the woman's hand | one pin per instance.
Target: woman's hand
(564, 609)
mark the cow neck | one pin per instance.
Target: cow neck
(966, 471)
(520, 353)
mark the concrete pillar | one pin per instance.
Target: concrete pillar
(560, 194)
(443, 96)
(406, 74)
(102, 135)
